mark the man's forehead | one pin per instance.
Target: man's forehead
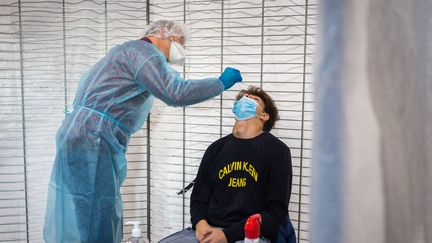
(254, 96)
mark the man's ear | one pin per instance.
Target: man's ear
(264, 116)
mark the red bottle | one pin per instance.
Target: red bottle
(252, 229)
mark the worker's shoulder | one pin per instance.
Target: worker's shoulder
(140, 46)
(134, 43)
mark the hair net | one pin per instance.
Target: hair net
(165, 29)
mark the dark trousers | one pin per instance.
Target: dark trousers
(286, 235)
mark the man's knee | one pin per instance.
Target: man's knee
(184, 236)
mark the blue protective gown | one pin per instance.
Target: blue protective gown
(112, 101)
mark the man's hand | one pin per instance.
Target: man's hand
(214, 235)
(202, 230)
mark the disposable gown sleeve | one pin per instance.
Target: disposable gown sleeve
(166, 84)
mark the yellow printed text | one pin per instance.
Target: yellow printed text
(238, 165)
(237, 182)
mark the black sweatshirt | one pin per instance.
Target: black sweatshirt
(241, 177)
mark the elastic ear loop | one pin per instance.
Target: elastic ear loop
(263, 112)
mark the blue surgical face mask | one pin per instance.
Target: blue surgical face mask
(245, 108)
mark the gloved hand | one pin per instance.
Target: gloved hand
(229, 77)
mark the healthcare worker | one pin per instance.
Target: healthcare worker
(112, 102)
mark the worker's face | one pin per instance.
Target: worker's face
(177, 53)
(166, 44)
(179, 39)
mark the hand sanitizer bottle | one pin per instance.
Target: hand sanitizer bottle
(136, 234)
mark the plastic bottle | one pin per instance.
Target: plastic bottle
(252, 229)
(136, 234)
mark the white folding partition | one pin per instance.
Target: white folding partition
(45, 46)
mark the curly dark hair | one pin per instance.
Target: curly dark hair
(269, 105)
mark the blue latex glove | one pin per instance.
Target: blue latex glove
(229, 77)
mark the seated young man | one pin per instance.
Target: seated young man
(244, 173)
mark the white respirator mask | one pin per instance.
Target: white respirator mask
(177, 53)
